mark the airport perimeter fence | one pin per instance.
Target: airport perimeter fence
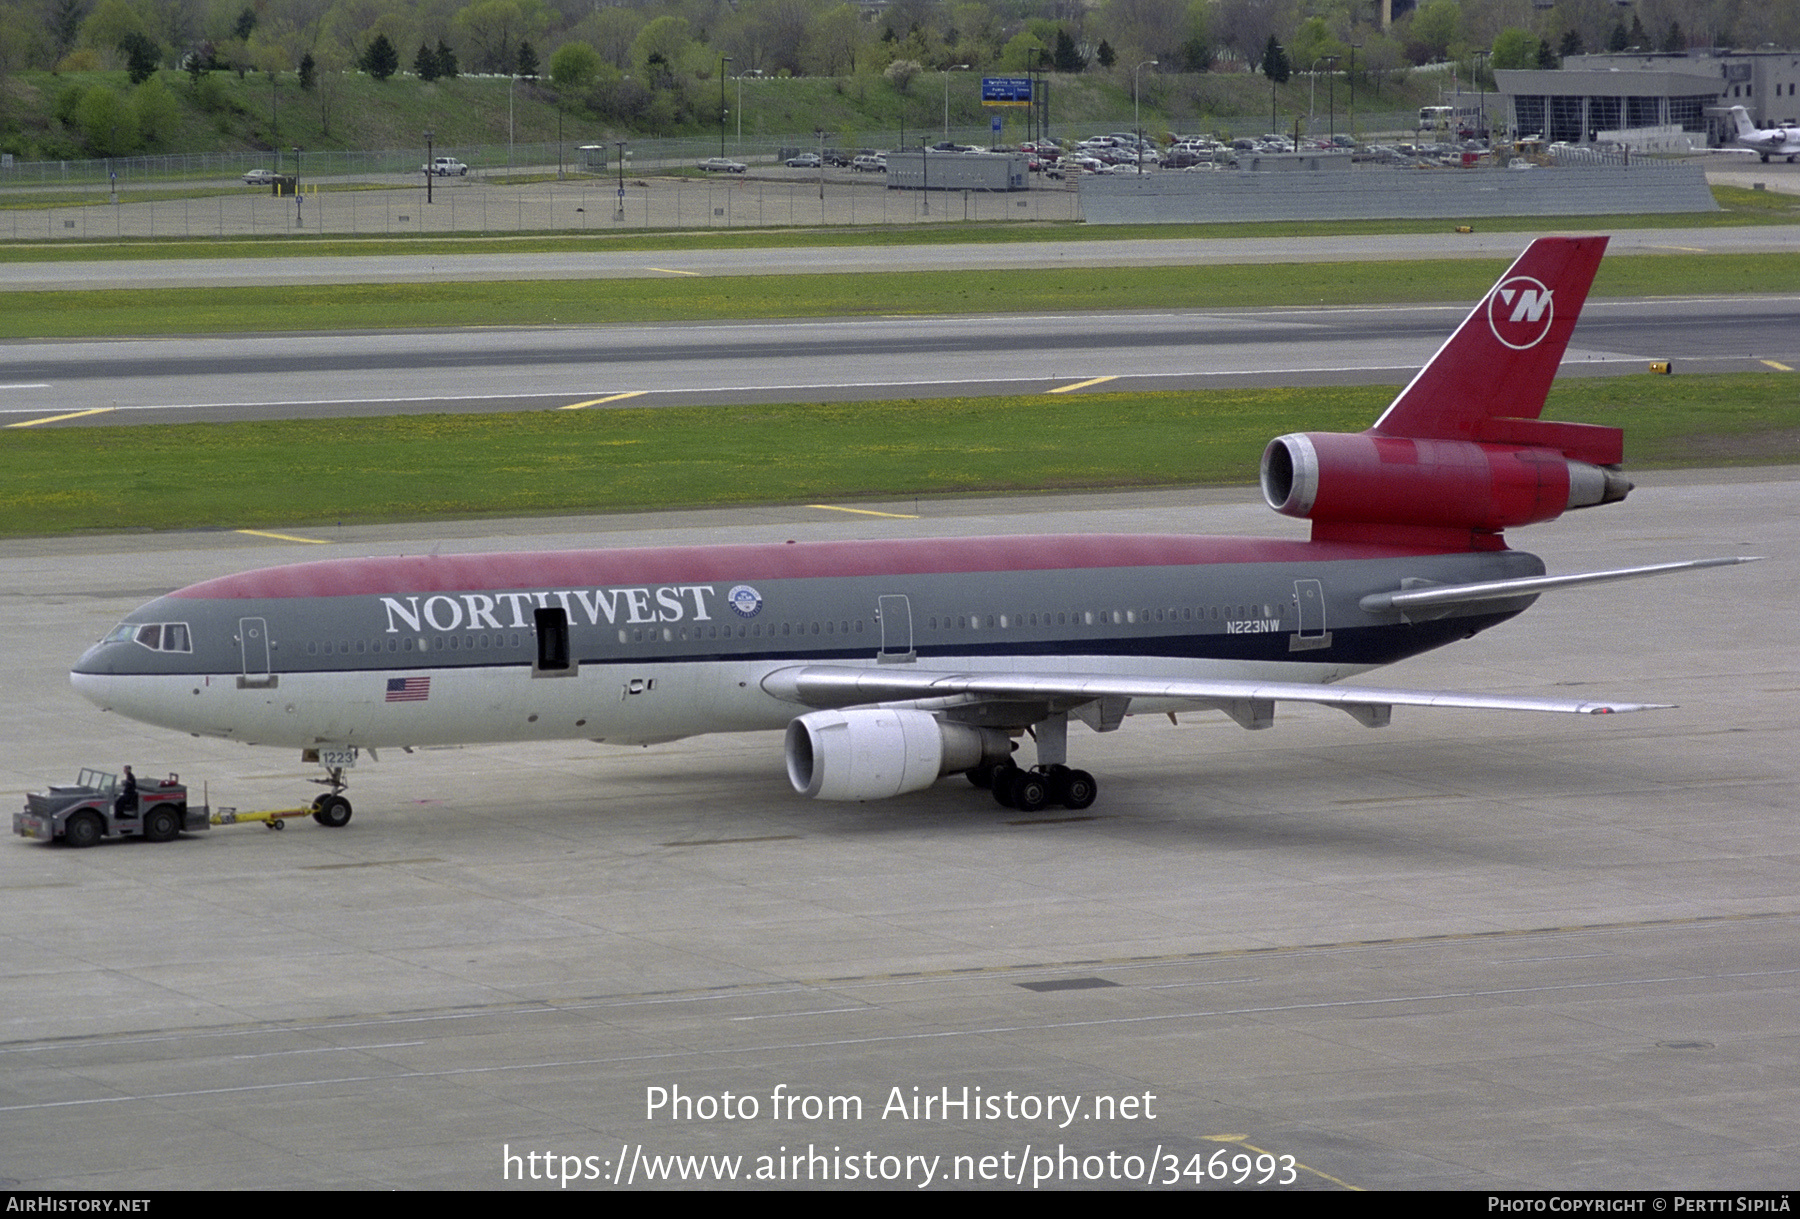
(509, 189)
(472, 206)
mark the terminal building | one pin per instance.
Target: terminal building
(1686, 95)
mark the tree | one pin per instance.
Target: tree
(1571, 44)
(1275, 64)
(309, 71)
(1674, 41)
(900, 74)
(1515, 48)
(142, 56)
(105, 123)
(1619, 39)
(1105, 54)
(1546, 58)
(447, 66)
(663, 43)
(246, 22)
(1435, 26)
(1067, 57)
(1022, 52)
(497, 26)
(154, 112)
(527, 60)
(381, 60)
(425, 63)
(574, 65)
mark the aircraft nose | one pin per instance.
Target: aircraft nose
(94, 686)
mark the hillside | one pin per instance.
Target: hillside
(75, 116)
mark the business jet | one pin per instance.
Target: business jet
(1766, 142)
(891, 664)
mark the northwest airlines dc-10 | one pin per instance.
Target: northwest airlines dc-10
(893, 663)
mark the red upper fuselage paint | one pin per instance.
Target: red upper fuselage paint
(792, 561)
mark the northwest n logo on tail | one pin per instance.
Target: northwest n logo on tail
(1520, 312)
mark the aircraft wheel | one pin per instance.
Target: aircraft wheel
(1078, 790)
(83, 830)
(333, 811)
(1002, 783)
(161, 825)
(1030, 791)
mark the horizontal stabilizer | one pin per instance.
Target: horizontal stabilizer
(1507, 590)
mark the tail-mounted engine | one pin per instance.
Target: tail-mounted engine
(1365, 486)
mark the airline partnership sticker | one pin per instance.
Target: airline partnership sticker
(745, 601)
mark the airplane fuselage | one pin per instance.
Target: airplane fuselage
(628, 646)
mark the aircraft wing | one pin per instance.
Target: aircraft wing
(1103, 700)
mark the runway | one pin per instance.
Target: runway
(1468, 951)
(601, 263)
(87, 383)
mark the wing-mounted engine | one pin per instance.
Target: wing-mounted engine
(871, 754)
(1461, 454)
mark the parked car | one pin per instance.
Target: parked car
(806, 160)
(723, 165)
(869, 163)
(445, 167)
(260, 177)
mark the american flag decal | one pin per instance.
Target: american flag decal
(408, 689)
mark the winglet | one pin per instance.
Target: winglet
(1491, 377)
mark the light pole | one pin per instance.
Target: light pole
(297, 219)
(1479, 80)
(925, 175)
(621, 144)
(1331, 96)
(1353, 49)
(961, 67)
(428, 173)
(723, 60)
(1274, 49)
(1137, 122)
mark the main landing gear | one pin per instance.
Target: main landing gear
(1037, 788)
(1051, 781)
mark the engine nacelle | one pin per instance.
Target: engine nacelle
(1362, 478)
(871, 755)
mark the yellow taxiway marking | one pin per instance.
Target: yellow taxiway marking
(1775, 364)
(1685, 249)
(899, 516)
(98, 410)
(1068, 389)
(630, 393)
(1243, 1140)
(672, 271)
(283, 537)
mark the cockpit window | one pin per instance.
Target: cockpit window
(157, 636)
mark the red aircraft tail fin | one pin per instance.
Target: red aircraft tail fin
(1500, 362)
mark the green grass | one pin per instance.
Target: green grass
(117, 311)
(246, 475)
